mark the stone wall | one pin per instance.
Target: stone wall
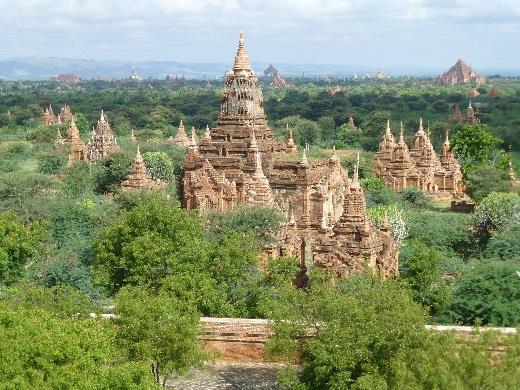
(243, 340)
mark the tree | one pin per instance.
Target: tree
(159, 166)
(475, 145)
(307, 132)
(420, 269)
(19, 245)
(114, 169)
(42, 351)
(496, 211)
(485, 179)
(155, 244)
(489, 293)
(82, 123)
(505, 243)
(159, 330)
(368, 334)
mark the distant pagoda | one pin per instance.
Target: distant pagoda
(460, 73)
(102, 141)
(138, 178)
(278, 81)
(471, 117)
(78, 149)
(181, 139)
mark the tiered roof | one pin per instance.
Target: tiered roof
(138, 178)
(102, 141)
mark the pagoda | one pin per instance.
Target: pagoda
(354, 243)
(493, 92)
(66, 114)
(102, 141)
(460, 73)
(180, 139)
(419, 166)
(240, 162)
(351, 125)
(138, 178)
(78, 149)
(455, 113)
(278, 81)
(470, 117)
(48, 116)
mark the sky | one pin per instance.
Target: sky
(379, 33)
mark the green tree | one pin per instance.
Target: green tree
(82, 123)
(485, 179)
(159, 166)
(307, 131)
(19, 245)
(158, 330)
(114, 169)
(505, 243)
(496, 211)
(420, 269)
(475, 145)
(489, 293)
(41, 351)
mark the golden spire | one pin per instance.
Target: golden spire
(242, 59)
(447, 139)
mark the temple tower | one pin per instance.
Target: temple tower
(102, 141)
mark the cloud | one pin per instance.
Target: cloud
(291, 30)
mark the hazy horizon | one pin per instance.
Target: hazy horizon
(387, 34)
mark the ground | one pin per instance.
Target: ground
(229, 376)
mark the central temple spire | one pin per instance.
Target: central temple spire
(242, 59)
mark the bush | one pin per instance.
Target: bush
(488, 293)
(414, 196)
(377, 193)
(449, 233)
(51, 163)
(496, 211)
(484, 180)
(159, 166)
(505, 243)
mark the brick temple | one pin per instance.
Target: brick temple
(401, 167)
(240, 162)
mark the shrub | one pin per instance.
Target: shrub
(51, 163)
(488, 292)
(497, 210)
(484, 180)
(505, 243)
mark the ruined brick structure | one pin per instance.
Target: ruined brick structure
(278, 81)
(181, 139)
(138, 178)
(460, 73)
(351, 125)
(102, 141)
(49, 118)
(78, 149)
(470, 117)
(419, 166)
(239, 162)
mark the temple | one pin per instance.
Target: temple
(278, 81)
(138, 178)
(181, 139)
(78, 149)
(240, 162)
(49, 118)
(354, 244)
(456, 115)
(460, 73)
(351, 125)
(470, 117)
(400, 167)
(102, 141)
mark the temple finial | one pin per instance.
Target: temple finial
(242, 59)
(447, 138)
(401, 136)
(388, 131)
(304, 159)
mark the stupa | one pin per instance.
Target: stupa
(138, 178)
(78, 149)
(102, 141)
(180, 139)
